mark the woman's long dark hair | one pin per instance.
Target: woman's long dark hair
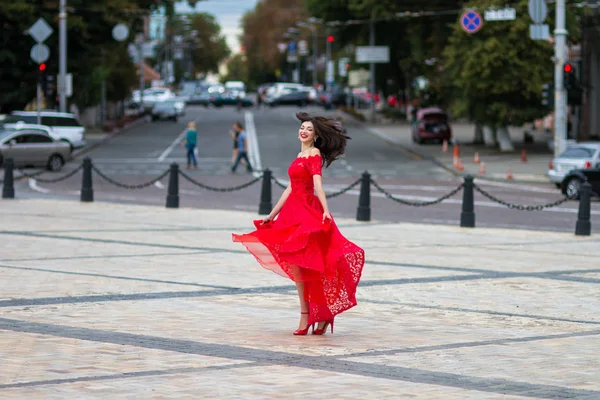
(331, 139)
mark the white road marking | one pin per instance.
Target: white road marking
(384, 136)
(177, 140)
(519, 187)
(346, 165)
(159, 185)
(34, 186)
(253, 149)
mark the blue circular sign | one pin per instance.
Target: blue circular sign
(471, 21)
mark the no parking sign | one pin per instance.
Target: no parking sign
(471, 21)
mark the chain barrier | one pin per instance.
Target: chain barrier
(126, 186)
(59, 179)
(216, 189)
(328, 195)
(520, 206)
(346, 189)
(25, 175)
(416, 203)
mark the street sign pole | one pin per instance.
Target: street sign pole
(372, 70)
(560, 104)
(62, 60)
(39, 86)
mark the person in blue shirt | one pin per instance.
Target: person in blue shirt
(191, 140)
(242, 142)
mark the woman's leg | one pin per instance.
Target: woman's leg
(190, 154)
(303, 306)
(194, 161)
(234, 156)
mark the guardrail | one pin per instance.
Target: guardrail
(363, 212)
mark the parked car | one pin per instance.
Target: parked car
(575, 157)
(431, 125)
(227, 99)
(179, 104)
(152, 96)
(294, 97)
(33, 148)
(164, 110)
(62, 126)
(237, 88)
(201, 97)
(571, 184)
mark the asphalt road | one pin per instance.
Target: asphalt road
(146, 151)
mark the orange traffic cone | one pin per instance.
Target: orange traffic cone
(509, 174)
(482, 168)
(456, 151)
(445, 146)
(459, 166)
(476, 158)
(524, 156)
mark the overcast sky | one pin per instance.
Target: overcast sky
(227, 12)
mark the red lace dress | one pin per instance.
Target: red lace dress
(299, 246)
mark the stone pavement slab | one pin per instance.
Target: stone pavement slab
(132, 302)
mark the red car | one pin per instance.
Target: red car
(431, 125)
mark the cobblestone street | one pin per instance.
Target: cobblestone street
(113, 301)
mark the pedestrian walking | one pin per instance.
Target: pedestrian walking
(242, 147)
(190, 142)
(234, 133)
(299, 239)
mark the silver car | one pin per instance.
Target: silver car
(164, 110)
(33, 148)
(577, 156)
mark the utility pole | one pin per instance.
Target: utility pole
(327, 58)
(560, 103)
(372, 69)
(62, 59)
(315, 44)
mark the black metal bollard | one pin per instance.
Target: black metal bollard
(363, 213)
(8, 189)
(584, 225)
(173, 190)
(266, 205)
(87, 191)
(467, 216)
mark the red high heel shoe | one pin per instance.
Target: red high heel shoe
(302, 332)
(324, 329)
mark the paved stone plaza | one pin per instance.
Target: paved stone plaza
(109, 301)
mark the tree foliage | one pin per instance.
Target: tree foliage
(263, 28)
(212, 46)
(497, 73)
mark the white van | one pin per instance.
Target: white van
(236, 88)
(62, 126)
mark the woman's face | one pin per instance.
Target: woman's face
(307, 132)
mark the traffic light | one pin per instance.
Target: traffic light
(42, 67)
(572, 85)
(548, 96)
(330, 39)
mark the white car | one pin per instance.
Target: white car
(237, 88)
(60, 126)
(152, 96)
(577, 156)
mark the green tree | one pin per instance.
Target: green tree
(237, 69)
(497, 73)
(212, 47)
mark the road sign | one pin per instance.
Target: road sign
(39, 53)
(303, 48)
(372, 54)
(503, 14)
(539, 32)
(342, 62)
(40, 31)
(471, 21)
(281, 47)
(538, 11)
(120, 32)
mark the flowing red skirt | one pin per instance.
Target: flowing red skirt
(299, 246)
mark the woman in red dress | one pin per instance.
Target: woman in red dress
(300, 240)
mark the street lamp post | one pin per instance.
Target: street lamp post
(62, 58)
(313, 29)
(560, 111)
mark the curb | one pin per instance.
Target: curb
(429, 157)
(118, 132)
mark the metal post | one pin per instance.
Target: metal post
(467, 216)
(363, 213)
(173, 189)
(327, 57)
(8, 188)
(560, 103)
(266, 205)
(141, 57)
(315, 50)
(87, 192)
(39, 88)
(583, 227)
(372, 70)
(62, 61)
(103, 95)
